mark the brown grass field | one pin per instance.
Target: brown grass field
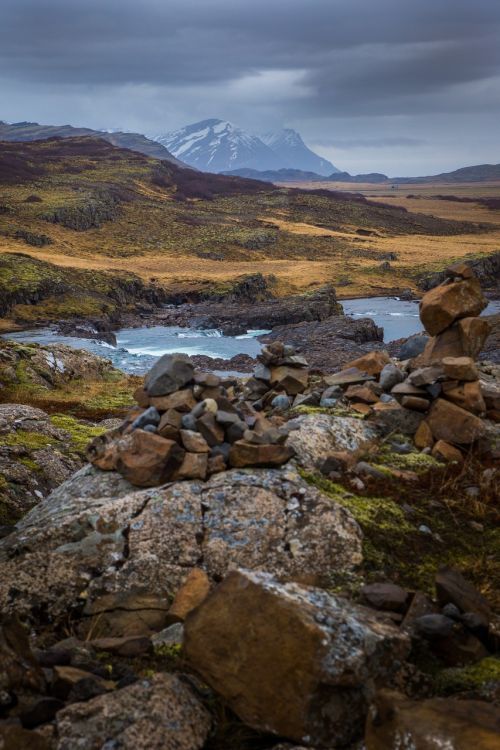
(304, 238)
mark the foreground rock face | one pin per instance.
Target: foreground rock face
(306, 667)
(394, 723)
(97, 535)
(154, 714)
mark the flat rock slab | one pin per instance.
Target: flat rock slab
(99, 536)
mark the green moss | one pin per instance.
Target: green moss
(171, 651)
(473, 677)
(418, 462)
(334, 411)
(81, 434)
(32, 441)
(30, 464)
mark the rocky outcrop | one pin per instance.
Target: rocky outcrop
(487, 270)
(96, 534)
(153, 714)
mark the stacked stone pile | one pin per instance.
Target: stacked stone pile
(190, 424)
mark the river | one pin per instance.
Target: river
(138, 348)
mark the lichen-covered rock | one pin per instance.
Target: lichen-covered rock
(318, 435)
(96, 535)
(306, 666)
(154, 714)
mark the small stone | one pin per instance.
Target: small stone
(248, 454)
(294, 380)
(390, 375)
(194, 442)
(194, 466)
(207, 379)
(413, 346)
(66, 678)
(188, 422)
(208, 405)
(426, 375)
(182, 401)
(459, 368)
(452, 424)
(463, 270)
(407, 389)
(434, 626)
(281, 402)
(170, 636)
(150, 428)
(372, 363)
(423, 436)
(447, 452)
(362, 393)
(216, 464)
(451, 611)
(262, 372)
(168, 374)
(141, 397)
(361, 408)
(210, 429)
(416, 403)
(226, 418)
(192, 592)
(170, 419)
(307, 399)
(348, 376)
(149, 417)
(452, 587)
(385, 596)
(128, 646)
(468, 396)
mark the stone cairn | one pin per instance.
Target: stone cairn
(190, 424)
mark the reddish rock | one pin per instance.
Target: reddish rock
(251, 454)
(446, 303)
(289, 659)
(460, 269)
(362, 393)
(447, 452)
(452, 424)
(210, 429)
(473, 333)
(423, 436)
(146, 459)
(372, 363)
(141, 397)
(193, 591)
(216, 464)
(363, 409)
(415, 402)
(194, 442)
(102, 451)
(395, 722)
(292, 379)
(194, 466)
(182, 401)
(468, 396)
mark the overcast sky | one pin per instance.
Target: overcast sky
(405, 87)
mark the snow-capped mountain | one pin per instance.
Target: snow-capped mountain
(288, 145)
(219, 146)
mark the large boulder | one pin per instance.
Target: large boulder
(453, 424)
(97, 535)
(292, 660)
(445, 304)
(315, 436)
(158, 713)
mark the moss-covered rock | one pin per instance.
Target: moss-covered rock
(473, 677)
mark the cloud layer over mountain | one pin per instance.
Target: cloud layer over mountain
(357, 78)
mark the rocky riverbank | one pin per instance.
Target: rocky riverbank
(293, 560)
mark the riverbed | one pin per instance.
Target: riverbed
(138, 348)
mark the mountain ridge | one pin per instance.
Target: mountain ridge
(216, 145)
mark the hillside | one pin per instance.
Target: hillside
(32, 131)
(84, 203)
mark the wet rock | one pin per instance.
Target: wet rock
(431, 724)
(170, 373)
(452, 424)
(445, 304)
(154, 714)
(316, 684)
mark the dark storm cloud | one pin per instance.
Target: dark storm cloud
(304, 62)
